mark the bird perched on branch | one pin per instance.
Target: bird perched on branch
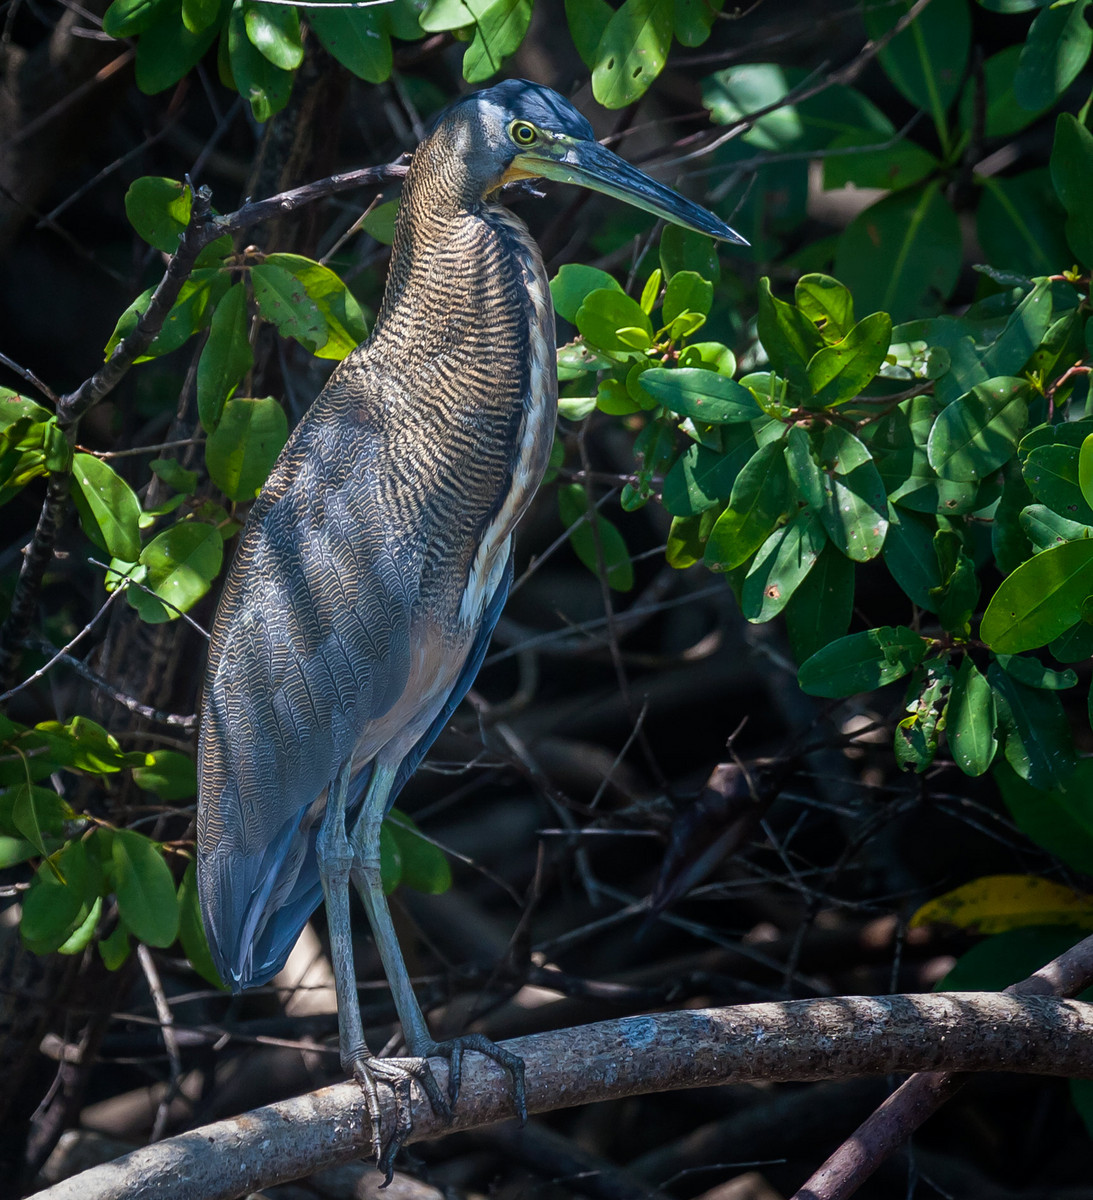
(375, 563)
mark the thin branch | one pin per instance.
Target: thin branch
(797, 1040)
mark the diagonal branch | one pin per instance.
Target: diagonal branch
(796, 1040)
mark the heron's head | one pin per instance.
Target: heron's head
(521, 130)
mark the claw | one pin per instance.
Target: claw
(396, 1074)
(453, 1050)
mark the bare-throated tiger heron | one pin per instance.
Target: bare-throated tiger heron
(375, 562)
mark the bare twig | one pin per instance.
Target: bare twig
(800, 1040)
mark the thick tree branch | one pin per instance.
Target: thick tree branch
(797, 1040)
(889, 1127)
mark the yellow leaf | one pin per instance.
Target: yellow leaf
(996, 903)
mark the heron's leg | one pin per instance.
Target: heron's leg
(365, 839)
(335, 856)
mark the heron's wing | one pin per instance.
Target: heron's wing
(311, 643)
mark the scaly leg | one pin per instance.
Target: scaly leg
(335, 863)
(365, 873)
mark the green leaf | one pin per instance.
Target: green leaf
(78, 940)
(701, 394)
(1072, 174)
(498, 33)
(144, 888)
(159, 210)
(344, 324)
(109, 509)
(804, 468)
(632, 51)
(694, 19)
(197, 16)
(788, 336)
(358, 38)
(604, 312)
(274, 30)
(855, 508)
(1055, 51)
(587, 20)
(241, 451)
(572, 507)
(1044, 528)
(59, 898)
(687, 539)
(820, 609)
(862, 662)
(733, 94)
(181, 563)
(1004, 114)
(1061, 820)
(379, 222)
(781, 566)
(917, 734)
(996, 962)
(1038, 743)
(167, 50)
(573, 283)
(1033, 673)
(1051, 473)
(927, 61)
(191, 929)
(126, 18)
(840, 371)
(971, 719)
(1021, 224)
(424, 866)
(169, 774)
(978, 433)
(910, 556)
(957, 596)
(226, 357)
(1041, 600)
(687, 291)
(114, 949)
(1085, 470)
(902, 255)
(685, 250)
(192, 311)
(265, 85)
(827, 304)
(760, 498)
(888, 167)
(702, 477)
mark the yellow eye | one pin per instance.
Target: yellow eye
(522, 133)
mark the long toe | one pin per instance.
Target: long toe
(453, 1051)
(396, 1074)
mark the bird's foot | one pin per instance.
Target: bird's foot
(453, 1050)
(395, 1073)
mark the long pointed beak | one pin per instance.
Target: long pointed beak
(591, 165)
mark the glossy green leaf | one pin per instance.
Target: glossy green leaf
(260, 81)
(788, 336)
(687, 539)
(971, 720)
(910, 556)
(1032, 673)
(1055, 51)
(589, 545)
(632, 51)
(242, 449)
(732, 95)
(170, 774)
(344, 324)
(1041, 599)
(127, 18)
(1021, 223)
(1044, 528)
(357, 38)
(1051, 473)
(827, 304)
(424, 866)
(167, 50)
(1061, 820)
(498, 33)
(573, 283)
(79, 939)
(199, 15)
(587, 20)
(917, 735)
(192, 311)
(702, 477)
(957, 596)
(902, 255)
(158, 209)
(687, 291)
(819, 610)
(855, 508)
(862, 164)
(1038, 743)
(840, 371)
(781, 565)
(181, 563)
(976, 434)
(114, 949)
(694, 19)
(996, 962)
(1004, 115)
(862, 662)
(109, 509)
(701, 394)
(1072, 174)
(605, 311)
(804, 468)
(927, 60)
(760, 498)
(59, 898)
(685, 250)
(283, 300)
(274, 30)
(226, 357)
(145, 891)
